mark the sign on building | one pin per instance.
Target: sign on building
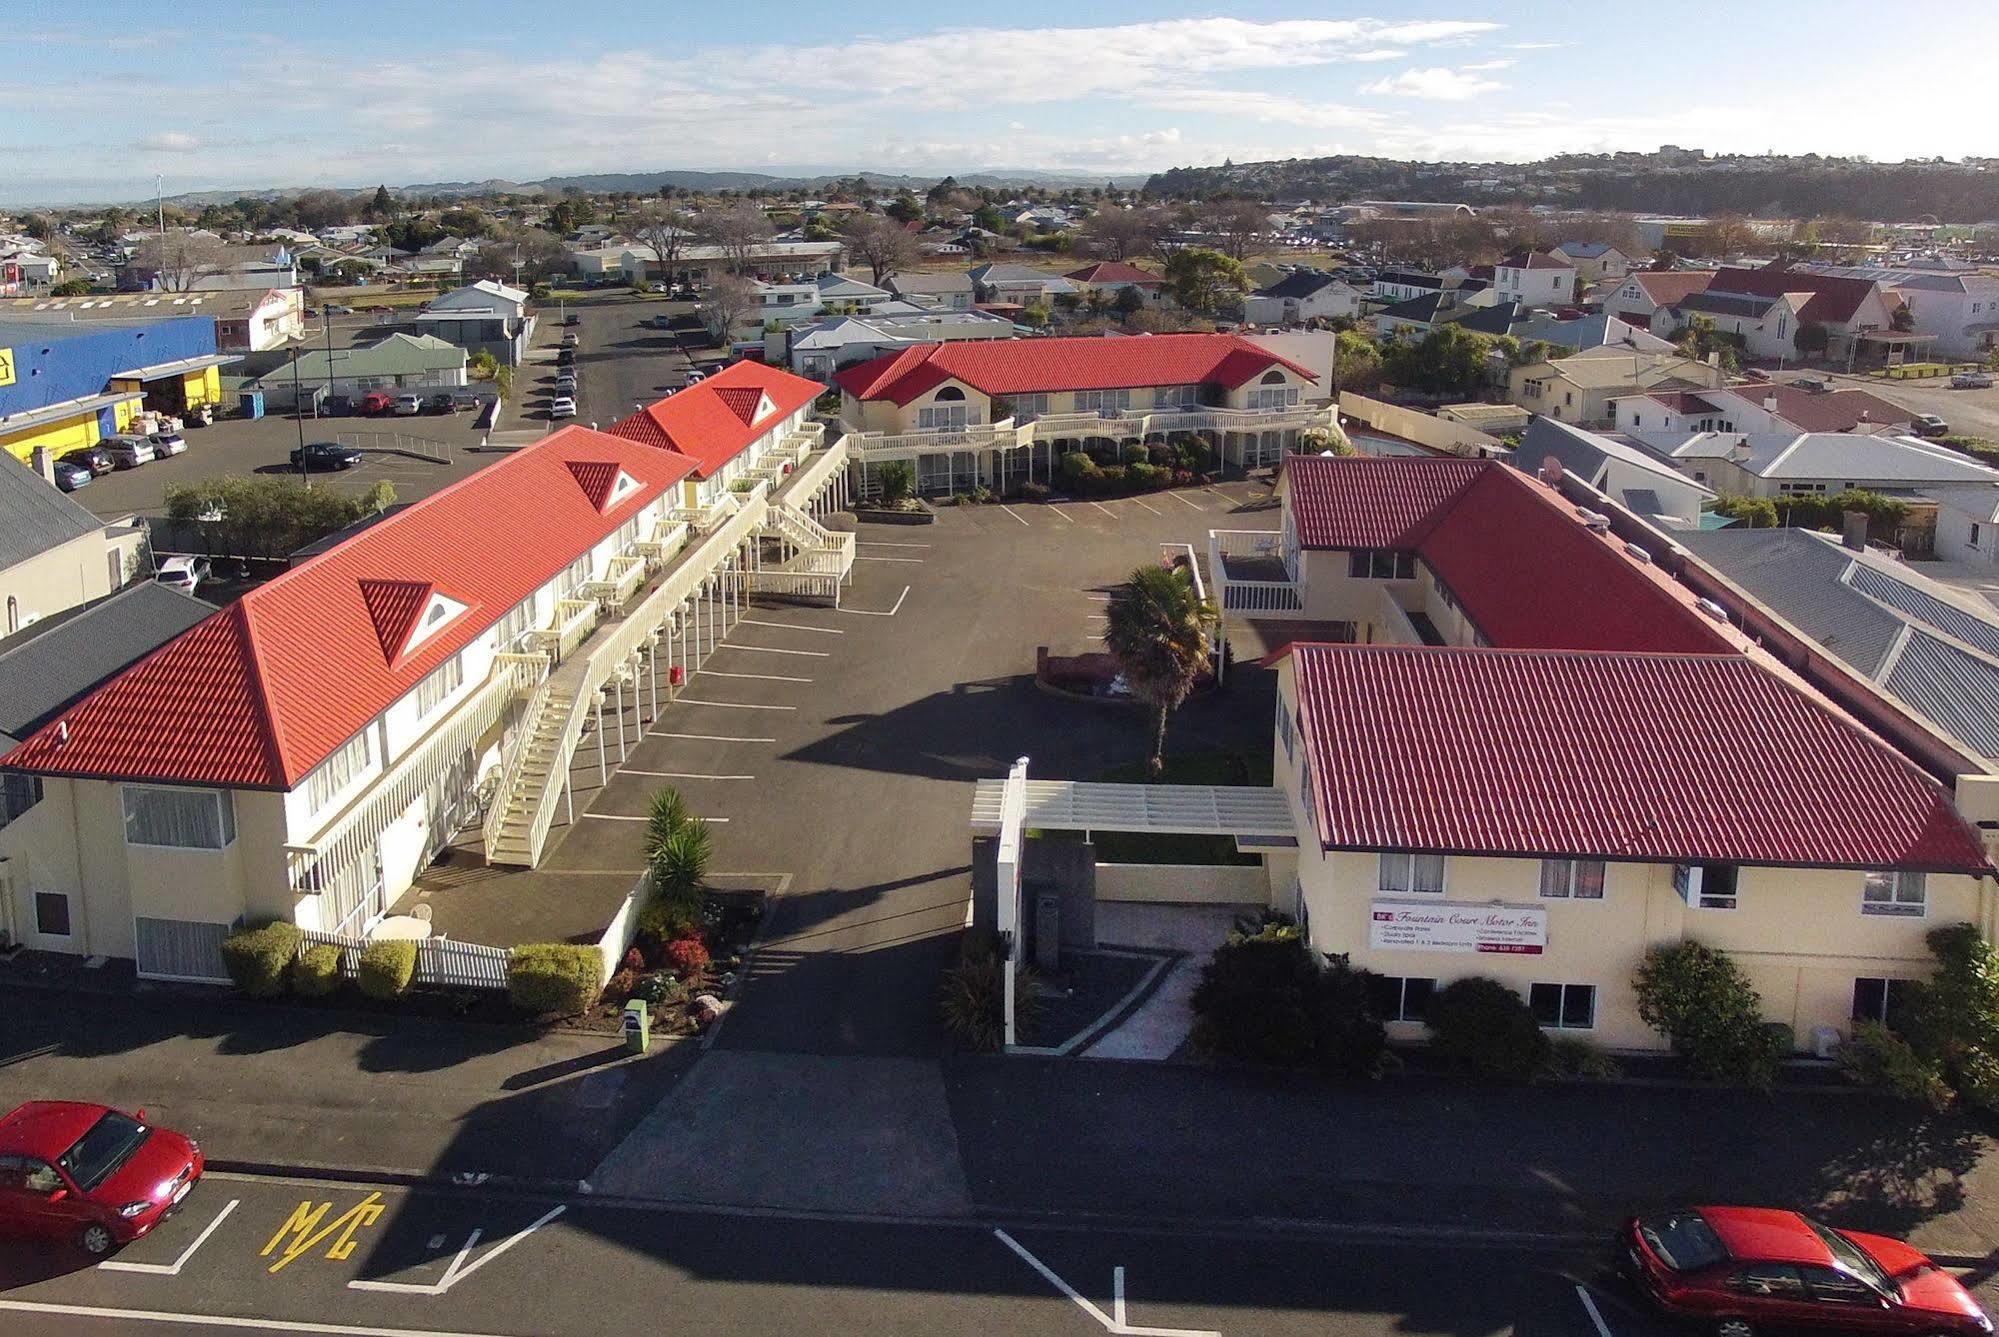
(1443, 926)
(6, 366)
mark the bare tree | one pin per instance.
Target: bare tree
(1236, 223)
(880, 243)
(177, 259)
(527, 253)
(1117, 233)
(736, 229)
(662, 228)
(731, 299)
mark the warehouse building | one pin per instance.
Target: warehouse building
(68, 385)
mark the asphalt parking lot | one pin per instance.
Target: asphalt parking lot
(1969, 412)
(622, 361)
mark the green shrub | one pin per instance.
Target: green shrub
(682, 865)
(1034, 491)
(1953, 1018)
(1161, 455)
(259, 959)
(316, 972)
(898, 482)
(663, 919)
(386, 968)
(1571, 1057)
(972, 998)
(1077, 466)
(1111, 478)
(1142, 475)
(1876, 1056)
(1348, 1037)
(1257, 994)
(1135, 453)
(1699, 999)
(1489, 1029)
(558, 977)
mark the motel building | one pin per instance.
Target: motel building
(1521, 735)
(1001, 412)
(305, 752)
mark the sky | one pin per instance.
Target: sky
(100, 97)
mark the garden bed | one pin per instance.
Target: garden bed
(1093, 676)
(1088, 994)
(911, 513)
(670, 987)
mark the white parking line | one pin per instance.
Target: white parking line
(1059, 512)
(879, 543)
(1142, 506)
(618, 817)
(684, 775)
(789, 626)
(752, 677)
(173, 1269)
(707, 737)
(1105, 509)
(876, 612)
(774, 650)
(727, 705)
(220, 1320)
(1015, 514)
(1184, 502)
(913, 561)
(1589, 1304)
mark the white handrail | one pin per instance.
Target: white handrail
(489, 829)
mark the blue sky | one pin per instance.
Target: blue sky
(97, 96)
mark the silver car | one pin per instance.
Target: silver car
(127, 452)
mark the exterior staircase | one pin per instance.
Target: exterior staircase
(508, 827)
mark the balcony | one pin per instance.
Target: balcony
(622, 578)
(1252, 574)
(575, 619)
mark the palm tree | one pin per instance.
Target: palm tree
(1157, 629)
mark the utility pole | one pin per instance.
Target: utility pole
(160, 199)
(298, 416)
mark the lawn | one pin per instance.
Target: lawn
(1192, 768)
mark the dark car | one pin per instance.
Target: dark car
(70, 477)
(1739, 1271)
(442, 402)
(570, 319)
(93, 458)
(325, 455)
(1929, 424)
(88, 1173)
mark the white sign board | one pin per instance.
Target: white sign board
(1446, 926)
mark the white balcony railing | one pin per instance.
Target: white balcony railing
(622, 578)
(1252, 596)
(574, 620)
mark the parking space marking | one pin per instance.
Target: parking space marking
(774, 650)
(881, 543)
(619, 817)
(684, 775)
(221, 1320)
(306, 1233)
(789, 626)
(751, 677)
(1589, 1306)
(1105, 509)
(913, 561)
(1112, 1323)
(1184, 502)
(1142, 506)
(1058, 512)
(876, 612)
(1015, 514)
(707, 737)
(726, 705)
(460, 1269)
(173, 1269)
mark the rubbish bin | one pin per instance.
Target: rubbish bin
(638, 1026)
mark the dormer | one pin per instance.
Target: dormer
(605, 484)
(407, 614)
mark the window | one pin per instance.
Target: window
(1572, 879)
(1381, 564)
(1274, 398)
(1029, 406)
(950, 394)
(511, 627)
(52, 914)
(1775, 1280)
(578, 572)
(1706, 886)
(1102, 401)
(945, 417)
(1284, 726)
(18, 793)
(1877, 999)
(1836, 1288)
(188, 819)
(434, 690)
(1564, 1007)
(1892, 893)
(1412, 873)
(333, 775)
(1399, 999)
(1176, 396)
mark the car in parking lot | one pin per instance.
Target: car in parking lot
(169, 442)
(407, 406)
(335, 309)
(324, 455)
(1739, 1271)
(94, 458)
(443, 402)
(183, 573)
(1928, 424)
(90, 1174)
(69, 477)
(1971, 380)
(571, 319)
(376, 402)
(570, 341)
(128, 452)
(562, 407)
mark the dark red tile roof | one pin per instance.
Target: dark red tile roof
(265, 689)
(713, 421)
(1834, 297)
(1023, 366)
(1116, 271)
(1663, 758)
(1667, 286)
(1360, 502)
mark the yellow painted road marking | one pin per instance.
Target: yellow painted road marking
(306, 1234)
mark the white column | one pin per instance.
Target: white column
(652, 677)
(603, 771)
(621, 716)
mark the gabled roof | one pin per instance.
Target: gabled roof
(1018, 366)
(1667, 286)
(1748, 307)
(1423, 308)
(62, 657)
(1821, 410)
(1301, 283)
(1116, 271)
(261, 692)
(1837, 457)
(713, 421)
(34, 517)
(1834, 297)
(1655, 757)
(1586, 250)
(1533, 260)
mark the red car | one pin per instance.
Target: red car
(90, 1174)
(1748, 1270)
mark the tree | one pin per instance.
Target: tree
(663, 229)
(730, 301)
(1157, 629)
(880, 243)
(1237, 223)
(1699, 999)
(1702, 339)
(1356, 362)
(382, 207)
(71, 288)
(1449, 360)
(1724, 235)
(38, 227)
(316, 209)
(1129, 301)
(179, 258)
(904, 208)
(1117, 233)
(268, 515)
(737, 229)
(1205, 280)
(539, 254)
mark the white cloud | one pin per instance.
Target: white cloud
(1270, 108)
(1435, 84)
(1537, 46)
(170, 141)
(1488, 65)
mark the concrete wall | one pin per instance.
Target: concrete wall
(1184, 884)
(1422, 428)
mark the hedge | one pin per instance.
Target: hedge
(387, 967)
(1488, 1028)
(316, 972)
(259, 959)
(559, 977)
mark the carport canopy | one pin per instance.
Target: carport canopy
(1259, 818)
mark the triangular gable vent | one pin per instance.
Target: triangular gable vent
(407, 613)
(747, 402)
(604, 483)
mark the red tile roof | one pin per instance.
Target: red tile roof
(1116, 271)
(1620, 756)
(1022, 366)
(1834, 297)
(1526, 571)
(265, 689)
(1825, 411)
(711, 422)
(1667, 286)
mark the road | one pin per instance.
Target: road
(277, 1254)
(623, 363)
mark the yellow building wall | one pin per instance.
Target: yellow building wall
(202, 387)
(58, 437)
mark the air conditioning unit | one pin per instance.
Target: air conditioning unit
(1712, 609)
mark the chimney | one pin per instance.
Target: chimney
(1770, 402)
(1551, 472)
(1853, 530)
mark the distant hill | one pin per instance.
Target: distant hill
(1677, 182)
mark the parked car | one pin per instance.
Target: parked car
(183, 573)
(1971, 380)
(168, 443)
(661, 287)
(570, 341)
(571, 319)
(324, 455)
(562, 407)
(565, 357)
(128, 452)
(566, 378)
(442, 402)
(407, 406)
(335, 309)
(1743, 1270)
(377, 402)
(70, 477)
(94, 458)
(1928, 424)
(90, 1174)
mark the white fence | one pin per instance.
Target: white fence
(1184, 884)
(624, 926)
(464, 965)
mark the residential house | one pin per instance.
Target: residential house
(951, 290)
(482, 317)
(1967, 528)
(1301, 296)
(1594, 261)
(1586, 332)
(956, 409)
(838, 295)
(54, 555)
(1582, 388)
(1402, 285)
(1636, 479)
(822, 347)
(1766, 407)
(1783, 464)
(1534, 278)
(1482, 635)
(1112, 277)
(1781, 300)
(1766, 326)
(419, 362)
(1960, 309)
(1007, 284)
(1645, 292)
